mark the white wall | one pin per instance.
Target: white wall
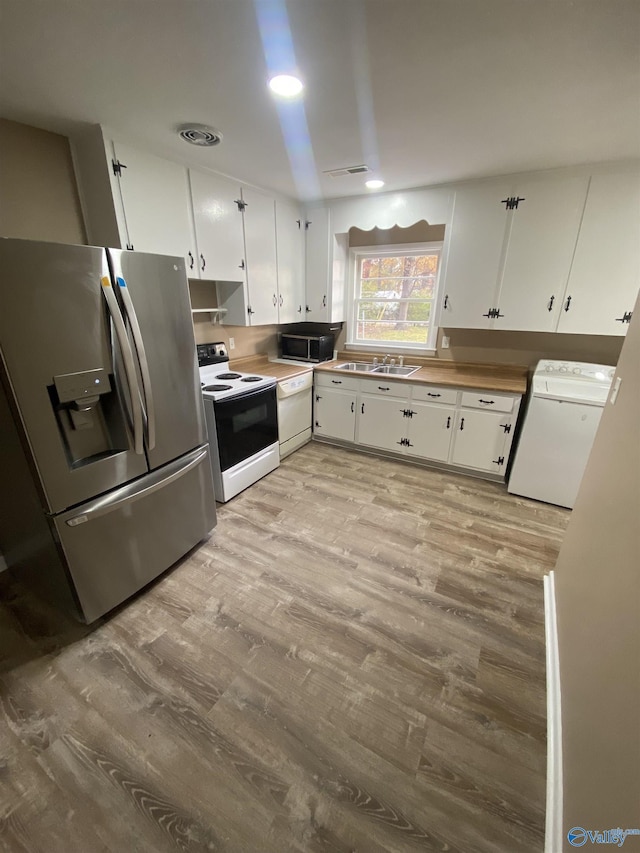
(598, 611)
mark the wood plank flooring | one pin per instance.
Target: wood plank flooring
(353, 662)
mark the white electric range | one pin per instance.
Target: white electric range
(242, 422)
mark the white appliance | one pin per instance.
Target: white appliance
(294, 412)
(242, 422)
(563, 412)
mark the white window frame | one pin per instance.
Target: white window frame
(398, 250)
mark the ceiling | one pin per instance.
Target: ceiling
(423, 91)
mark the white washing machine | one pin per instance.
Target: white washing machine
(563, 412)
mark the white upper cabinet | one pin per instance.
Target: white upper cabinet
(290, 245)
(475, 255)
(217, 206)
(542, 240)
(259, 217)
(325, 266)
(156, 203)
(605, 275)
(317, 265)
(510, 253)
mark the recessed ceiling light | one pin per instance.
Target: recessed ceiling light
(374, 185)
(286, 86)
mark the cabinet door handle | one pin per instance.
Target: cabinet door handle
(550, 304)
(567, 303)
(191, 261)
(461, 424)
(362, 410)
(626, 317)
(250, 310)
(281, 301)
(275, 300)
(241, 264)
(203, 263)
(324, 301)
(299, 309)
(353, 406)
(449, 422)
(307, 309)
(446, 302)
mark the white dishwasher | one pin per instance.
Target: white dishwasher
(563, 412)
(294, 412)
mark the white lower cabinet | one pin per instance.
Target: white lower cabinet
(480, 440)
(429, 431)
(461, 428)
(381, 421)
(334, 414)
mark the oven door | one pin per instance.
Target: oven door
(245, 425)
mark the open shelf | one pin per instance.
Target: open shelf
(216, 313)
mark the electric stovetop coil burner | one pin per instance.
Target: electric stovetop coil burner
(218, 382)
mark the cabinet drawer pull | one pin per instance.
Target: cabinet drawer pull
(383, 388)
(337, 381)
(461, 424)
(486, 402)
(429, 394)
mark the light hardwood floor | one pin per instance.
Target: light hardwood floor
(353, 662)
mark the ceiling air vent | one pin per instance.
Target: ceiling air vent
(347, 170)
(200, 134)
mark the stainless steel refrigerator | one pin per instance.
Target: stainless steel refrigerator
(105, 478)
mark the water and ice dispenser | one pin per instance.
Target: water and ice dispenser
(89, 415)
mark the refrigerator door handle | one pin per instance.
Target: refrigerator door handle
(127, 357)
(142, 361)
(134, 491)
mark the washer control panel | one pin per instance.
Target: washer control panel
(576, 370)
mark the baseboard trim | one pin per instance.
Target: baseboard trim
(553, 828)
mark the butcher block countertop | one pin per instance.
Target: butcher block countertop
(261, 364)
(489, 377)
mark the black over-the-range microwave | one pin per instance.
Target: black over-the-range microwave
(307, 347)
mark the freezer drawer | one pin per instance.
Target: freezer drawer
(116, 544)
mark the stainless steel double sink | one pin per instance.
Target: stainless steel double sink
(367, 367)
